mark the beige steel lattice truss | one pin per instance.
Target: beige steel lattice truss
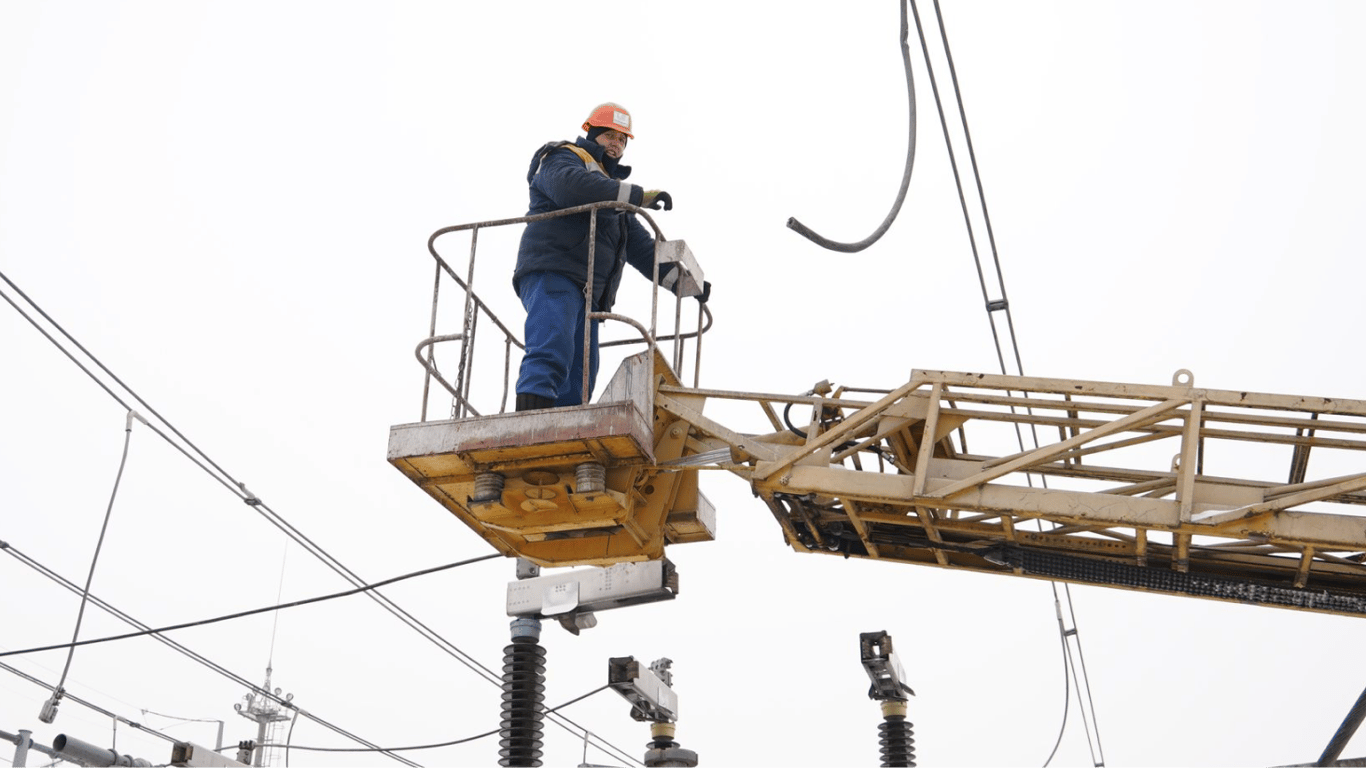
(1121, 490)
(1172, 489)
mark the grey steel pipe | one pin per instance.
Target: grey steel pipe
(81, 752)
(23, 742)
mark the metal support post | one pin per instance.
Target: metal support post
(21, 745)
(265, 707)
(23, 742)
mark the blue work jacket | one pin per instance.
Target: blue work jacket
(558, 178)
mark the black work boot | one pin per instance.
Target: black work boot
(527, 402)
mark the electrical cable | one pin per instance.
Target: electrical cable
(289, 738)
(1097, 752)
(105, 387)
(958, 183)
(981, 194)
(90, 577)
(84, 703)
(577, 729)
(240, 490)
(1066, 683)
(243, 614)
(184, 720)
(230, 675)
(1084, 679)
(465, 740)
(832, 245)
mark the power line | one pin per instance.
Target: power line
(465, 740)
(1003, 304)
(1066, 689)
(1083, 680)
(243, 614)
(84, 703)
(239, 489)
(49, 710)
(230, 675)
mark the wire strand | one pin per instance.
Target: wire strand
(465, 740)
(99, 545)
(1004, 305)
(243, 614)
(239, 489)
(176, 646)
(977, 177)
(72, 697)
(1098, 755)
(1066, 681)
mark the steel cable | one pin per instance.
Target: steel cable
(1097, 753)
(90, 577)
(118, 718)
(544, 710)
(194, 655)
(243, 614)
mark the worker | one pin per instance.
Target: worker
(552, 260)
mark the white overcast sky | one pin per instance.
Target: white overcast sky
(228, 204)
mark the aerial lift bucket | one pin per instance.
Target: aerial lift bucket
(567, 486)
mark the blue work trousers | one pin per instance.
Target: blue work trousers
(553, 364)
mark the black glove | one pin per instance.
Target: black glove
(654, 197)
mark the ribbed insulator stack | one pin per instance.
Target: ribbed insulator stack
(523, 695)
(898, 741)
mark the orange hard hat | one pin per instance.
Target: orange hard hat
(610, 115)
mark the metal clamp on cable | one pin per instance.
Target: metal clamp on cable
(250, 498)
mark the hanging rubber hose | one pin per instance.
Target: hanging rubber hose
(806, 232)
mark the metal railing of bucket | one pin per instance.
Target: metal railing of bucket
(475, 307)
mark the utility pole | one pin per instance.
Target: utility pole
(267, 713)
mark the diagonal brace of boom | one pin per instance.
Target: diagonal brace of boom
(1007, 465)
(844, 430)
(1346, 484)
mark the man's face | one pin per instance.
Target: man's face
(615, 142)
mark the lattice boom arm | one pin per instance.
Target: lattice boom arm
(1166, 488)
